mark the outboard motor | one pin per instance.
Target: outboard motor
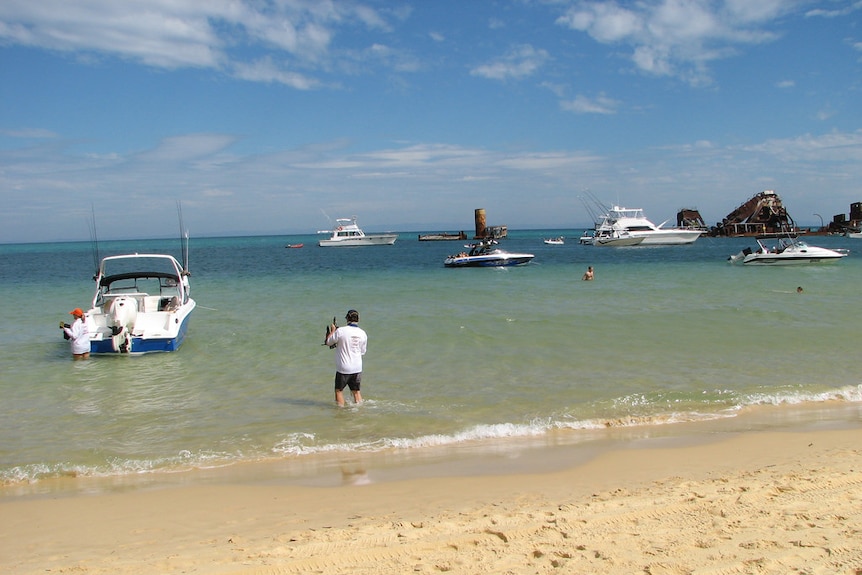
(121, 318)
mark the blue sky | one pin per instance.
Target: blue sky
(277, 116)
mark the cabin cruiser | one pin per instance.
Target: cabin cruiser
(485, 254)
(619, 226)
(347, 233)
(631, 224)
(785, 251)
(142, 304)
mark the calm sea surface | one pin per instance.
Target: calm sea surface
(455, 356)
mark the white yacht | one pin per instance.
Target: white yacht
(632, 224)
(347, 233)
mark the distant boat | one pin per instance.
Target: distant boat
(555, 241)
(294, 246)
(347, 233)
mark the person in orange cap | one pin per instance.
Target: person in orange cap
(78, 335)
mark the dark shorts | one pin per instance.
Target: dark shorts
(351, 380)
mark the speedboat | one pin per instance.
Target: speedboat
(485, 254)
(142, 304)
(785, 251)
(555, 241)
(347, 233)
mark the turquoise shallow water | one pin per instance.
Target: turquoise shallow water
(455, 356)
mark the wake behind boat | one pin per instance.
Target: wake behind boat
(347, 233)
(142, 304)
(785, 251)
(484, 254)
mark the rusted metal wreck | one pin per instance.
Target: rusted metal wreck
(763, 214)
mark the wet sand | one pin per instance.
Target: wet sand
(747, 497)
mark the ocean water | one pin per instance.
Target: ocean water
(456, 357)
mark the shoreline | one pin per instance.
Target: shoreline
(769, 491)
(553, 451)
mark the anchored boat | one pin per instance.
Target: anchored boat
(347, 233)
(484, 254)
(785, 251)
(142, 304)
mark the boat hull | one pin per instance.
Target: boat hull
(490, 261)
(616, 242)
(139, 342)
(777, 260)
(368, 240)
(667, 237)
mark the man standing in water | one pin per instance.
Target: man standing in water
(78, 334)
(350, 342)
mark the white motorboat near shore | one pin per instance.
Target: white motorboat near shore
(142, 304)
(484, 254)
(347, 234)
(785, 251)
(556, 241)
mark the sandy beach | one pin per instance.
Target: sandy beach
(760, 501)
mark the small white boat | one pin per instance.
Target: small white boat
(785, 251)
(347, 233)
(142, 304)
(555, 241)
(484, 254)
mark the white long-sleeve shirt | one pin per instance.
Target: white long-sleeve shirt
(79, 336)
(351, 342)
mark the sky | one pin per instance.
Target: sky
(279, 116)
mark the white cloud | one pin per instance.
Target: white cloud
(265, 70)
(188, 147)
(30, 133)
(584, 105)
(224, 192)
(678, 37)
(228, 35)
(836, 13)
(832, 147)
(518, 62)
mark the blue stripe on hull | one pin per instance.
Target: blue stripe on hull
(140, 345)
